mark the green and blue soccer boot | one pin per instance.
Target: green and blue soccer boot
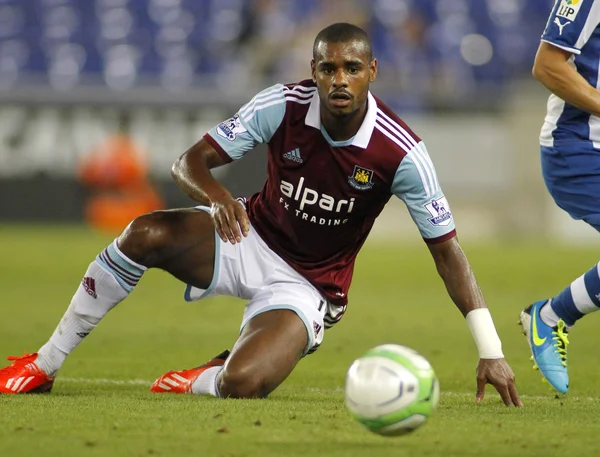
(548, 346)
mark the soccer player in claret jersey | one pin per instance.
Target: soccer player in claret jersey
(336, 154)
(567, 64)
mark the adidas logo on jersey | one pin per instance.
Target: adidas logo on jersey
(294, 155)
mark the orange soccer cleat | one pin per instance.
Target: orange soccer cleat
(24, 377)
(180, 382)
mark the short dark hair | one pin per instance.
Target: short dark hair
(342, 32)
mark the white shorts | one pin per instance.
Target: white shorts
(252, 271)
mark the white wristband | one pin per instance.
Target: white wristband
(484, 333)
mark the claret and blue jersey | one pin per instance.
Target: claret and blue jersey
(321, 197)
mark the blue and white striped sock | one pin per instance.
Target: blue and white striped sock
(108, 280)
(580, 298)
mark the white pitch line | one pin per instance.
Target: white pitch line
(143, 382)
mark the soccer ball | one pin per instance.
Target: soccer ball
(391, 390)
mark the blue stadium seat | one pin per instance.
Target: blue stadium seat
(183, 42)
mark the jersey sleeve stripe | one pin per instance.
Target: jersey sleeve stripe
(412, 148)
(251, 105)
(301, 88)
(262, 95)
(299, 95)
(422, 153)
(294, 91)
(418, 160)
(302, 101)
(394, 128)
(397, 128)
(417, 165)
(402, 141)
(250, 115)
(271, 101)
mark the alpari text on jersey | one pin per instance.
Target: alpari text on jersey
(312, 206)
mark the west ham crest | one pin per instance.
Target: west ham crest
(361, 179)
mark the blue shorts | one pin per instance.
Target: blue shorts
(572, 176)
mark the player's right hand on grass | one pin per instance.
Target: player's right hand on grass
(498, 373)
(230, 219)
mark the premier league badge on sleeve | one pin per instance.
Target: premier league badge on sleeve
(361, 179)
(231, 128)
(440, 212)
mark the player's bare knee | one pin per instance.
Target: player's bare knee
(144, 237)
(242, 382)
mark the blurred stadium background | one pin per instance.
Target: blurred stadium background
(99, 97)
(82, 76)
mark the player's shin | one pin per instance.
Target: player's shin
(108, 280)
(580, 298)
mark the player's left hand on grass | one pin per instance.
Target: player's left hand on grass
(498, 373)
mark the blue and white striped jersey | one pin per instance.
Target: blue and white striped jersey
(573, 26)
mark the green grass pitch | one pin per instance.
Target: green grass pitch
(101, 406)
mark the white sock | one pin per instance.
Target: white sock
(206, 383)
(50, 358)
(548, 316)
(107, 281)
